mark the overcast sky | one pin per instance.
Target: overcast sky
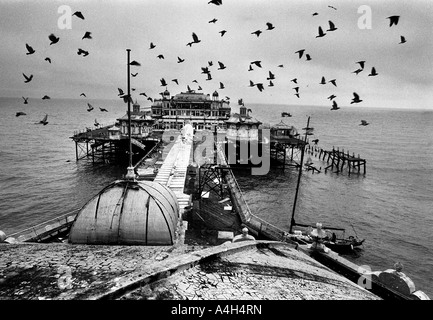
(405, 71)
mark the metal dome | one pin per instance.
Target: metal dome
(128, 212)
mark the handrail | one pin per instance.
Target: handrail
(42, 224)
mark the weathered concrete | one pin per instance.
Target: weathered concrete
(245, 270)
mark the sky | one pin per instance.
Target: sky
(405, 71)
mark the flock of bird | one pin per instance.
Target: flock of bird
(208, 72)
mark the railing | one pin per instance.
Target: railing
(40, 230)
(155, 147)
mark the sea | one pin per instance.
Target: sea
(390, 206)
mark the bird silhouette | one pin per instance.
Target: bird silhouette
(257, 63)
(150, 99)
(188, 88)
(402, 40)
(250, 68)
(160, 56)
(103, 109)
(316, 141)
(89, 107)
(221, 65)
(270, 26)
(331, 26)
(20, 113)
(83, 94)
(78, 14)
(205, 70)
(332, 96)
(271, 76)
(223, 32)
(295, 80)
(251, 84)
(163, 83)
(280, 66)
(46, 97)
(28, 78)
(213, 20)
(333, 81)
(393, 20)
(195, 39)
(332, 7)
(210, 63)
(87, 35)
(152, 45)
(286, 114)
(373, 72)
(335, 105)
(357, 71)
(300, 53)
(134, 74)
(315, 14)
(257, 32)
(120, 92)
(260, 86)
(53, 39)
(82, 52)
(364, 123)
(199, 88)
(48, 59)
(323, 81)
(97, 124)
(307, 57)
(355, 98)
(222, 85)
(179, 60)
(297, 94)
(143, 94)
(44, 120)
(26, 100)
(175, 80)
(296, 89)
(321, 33)
(209, 77)
(30, 50)
(271, 84)
(194, 81)
(134, 63)
(216, 2)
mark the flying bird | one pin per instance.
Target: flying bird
(271, 76)
(308, 57)
(252, 84)
(82, 52)
(199, 88)
(331, 26)
(90, 107)
(393, 20)
(150, 99)
(364, 123)
(175, 80)
(323, 81)
(216, 2)
(402, 40)
(250, 68)
(28, 78)
(103, 109)
(26, 100)
(160, 56)
(83, 94)
(357, 71)
(121, 93)
(271, 84)
(321, 33)
(270, 26)
(46, 97)
(179, 60)
(48, 59)
(44, 120)
(221, 65)
(373, 72)
(315, 14)
(213, 20)
(210, 63)
(53, 39)
(134, 74)
(296, 89)
(332, 7)
(295, 80)
(20, 113)
(195, 39)
(280, 66)
(143, 94)
(260, 86)
(222, 85)
(355, 98)
(209, 77)
(96, 123)
(316, 141)
(297, 94)
(78, 14)
(195, 81)
(332, 96)
(361, 64)
(257, 63)
(223, 32)
(152, 45)
(134, 63)
(334, 105)
(205, 70)
(87, 35)
(163, 83)
(30, 50)
(300, 53)
(257, 32)
(334, 82)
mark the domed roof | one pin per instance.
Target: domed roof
(166, 92)
(215, 94)
(128, 212)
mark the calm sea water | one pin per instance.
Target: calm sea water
(391, 206)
